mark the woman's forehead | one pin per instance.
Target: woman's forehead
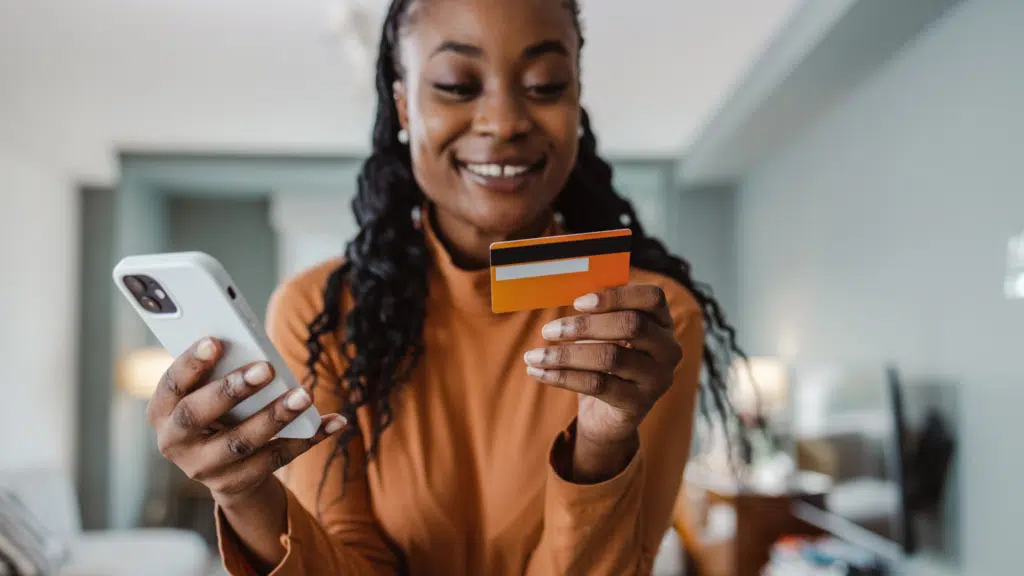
(490, 25)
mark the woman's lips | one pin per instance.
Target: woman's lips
(506, 177)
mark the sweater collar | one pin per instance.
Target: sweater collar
(468, 290)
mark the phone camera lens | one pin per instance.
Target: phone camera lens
(135, 285)
(150, 304)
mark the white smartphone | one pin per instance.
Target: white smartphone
(185, 296)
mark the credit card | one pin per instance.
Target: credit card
(555, 270)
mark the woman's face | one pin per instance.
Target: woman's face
(490, 98)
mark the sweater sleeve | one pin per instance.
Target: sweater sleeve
(345, 538)
(615, 527)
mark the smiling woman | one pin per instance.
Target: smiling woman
(539, 442)
(493, 119)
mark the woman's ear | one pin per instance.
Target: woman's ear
(401, 103)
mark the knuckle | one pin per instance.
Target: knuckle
(579, 325)
(171, 383)
(280, 456)
(595, 384)
(227, 485)
(631, 324)
(277, 415)
(614, 297)
(609, 357)
(239, 446)
(562, 378)
(194, 365)
(198, 474)
(164, 446)
(562, 355)
(184, 417)
(231, 387)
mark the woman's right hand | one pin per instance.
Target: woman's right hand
(234, 463)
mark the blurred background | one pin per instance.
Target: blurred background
(845, 174)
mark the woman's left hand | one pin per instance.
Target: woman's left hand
(619, 355)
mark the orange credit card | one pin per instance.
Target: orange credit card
(555, 270)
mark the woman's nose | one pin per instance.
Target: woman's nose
(503, 115)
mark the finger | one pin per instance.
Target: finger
(605, 387)
(278, 453)
(604, 357)
(282, 451)
(200, 410)
(641, 297)
(636, 328)
(257, 430)
(188, 370)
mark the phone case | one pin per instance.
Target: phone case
(202, 292)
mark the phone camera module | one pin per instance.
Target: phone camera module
(150, 294)
(150, 304)
(134, 285)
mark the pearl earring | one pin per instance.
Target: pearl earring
(559, 219)
(417, 217)
(624, 219)
(580, 132)
(403, 136)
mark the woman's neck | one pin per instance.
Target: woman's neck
(470, 246)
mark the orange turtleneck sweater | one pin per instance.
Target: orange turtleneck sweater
(463, 482)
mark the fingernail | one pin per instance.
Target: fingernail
(206, 350)
(588, 302)
(257, 374)
(535, 372)
(534, 356)
(551, 330)
(297, 400)
(334, 425)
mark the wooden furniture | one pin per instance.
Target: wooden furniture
(760, 520)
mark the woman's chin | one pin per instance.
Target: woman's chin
(511, 219)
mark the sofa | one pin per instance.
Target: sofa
(50, 496)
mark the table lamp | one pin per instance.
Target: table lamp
(139, 372)
(760, 386)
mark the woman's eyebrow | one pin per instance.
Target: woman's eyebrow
(529, 53)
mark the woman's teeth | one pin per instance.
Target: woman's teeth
(497, 170)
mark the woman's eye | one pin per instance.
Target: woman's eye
(548, 91)
(457, 90)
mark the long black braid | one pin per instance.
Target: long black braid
(385, 267)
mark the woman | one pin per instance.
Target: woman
(470, 443)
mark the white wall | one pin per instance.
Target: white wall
(311, 227)
(882, 234)
(38, 314)
(83, 79)
(705, 235)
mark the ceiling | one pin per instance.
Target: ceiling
(81, 80)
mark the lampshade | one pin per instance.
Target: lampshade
(766, 380)
(139, 372)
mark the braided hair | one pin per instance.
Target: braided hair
(386, 264)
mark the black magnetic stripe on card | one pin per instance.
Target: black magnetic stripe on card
(560, 250)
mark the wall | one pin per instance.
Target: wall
(241, 76)
(135, 469)
(311, 227)
(236, 232)
(705, 235)
(38, 276)
(882, 233)
(96, 371)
